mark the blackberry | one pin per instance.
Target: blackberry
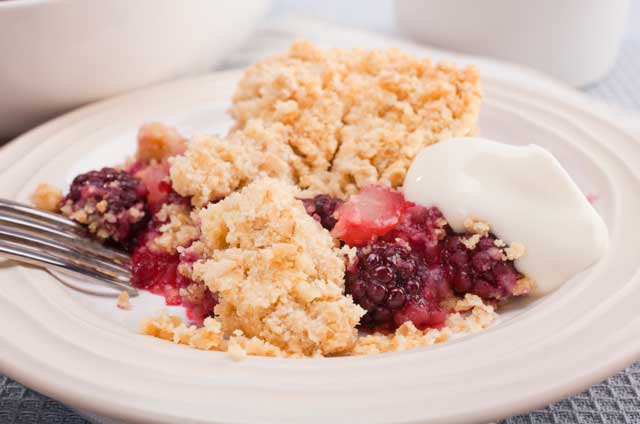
(110, 202)
(481, 270)
(395, 284)
(321, 208)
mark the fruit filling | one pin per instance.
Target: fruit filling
(409, 261)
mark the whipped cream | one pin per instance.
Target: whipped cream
(526, 196)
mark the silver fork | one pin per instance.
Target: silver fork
(52, 241)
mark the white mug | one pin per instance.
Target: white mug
(573, 40)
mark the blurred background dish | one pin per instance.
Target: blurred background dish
(58, 54)
(573, 40)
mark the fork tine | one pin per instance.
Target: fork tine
(23, 253)
(70, 257)
(56, 220)
(13, 218)
(43, 244)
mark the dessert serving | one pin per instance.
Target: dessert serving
(325, 223)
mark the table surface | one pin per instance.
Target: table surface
(616, 400)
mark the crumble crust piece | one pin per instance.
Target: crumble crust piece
(47, 198)
(471, 241)
(208, 337)
(515, 251)
(358, 117)
(178, 229)
(123, 300)
(278, 274)
(213, 167)
(331, 121)
(157, 141)
(523, 286)
(477, 226)
(210, 169)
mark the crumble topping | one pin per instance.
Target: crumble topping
(178, 229)
(357, 117)
(330, 121)
(523, 286)
(123, 300)
(476, 226)
(239, 347)
(278, 274)
(213, 167)
(163, 327)
(515, 251)
(47, 198)
(157, 142)
(210, 169)
(472, 241)
(208, 337)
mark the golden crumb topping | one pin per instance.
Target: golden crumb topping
(523, 286)
(123, 300)
(515, 251)
(330, 121)
(210, 169)
(177, 229)
(214, 167)
(208, 337)
(47, 198)
(477, 226)
(157, 142)
(278, 274)
(357, 117)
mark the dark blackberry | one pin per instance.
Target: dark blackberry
(481, 270)
(110, 202)
(395, 284)
(321, 208)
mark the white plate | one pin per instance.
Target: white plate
(82, 350)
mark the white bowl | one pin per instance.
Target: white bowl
(573, 40)
(58, 54)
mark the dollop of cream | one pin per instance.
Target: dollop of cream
(526, 196)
